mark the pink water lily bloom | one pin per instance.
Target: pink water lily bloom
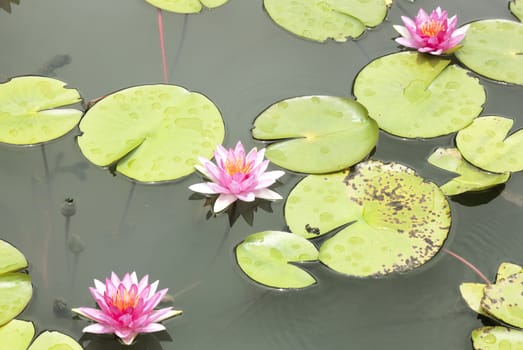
(237, 176)
(435, 34)
(126, 307)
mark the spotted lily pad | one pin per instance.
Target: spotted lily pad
(484, 52)
(516, 7)
(185, 6)
(415, 95)
(470, 179)
(472, 293)
(504, 300)
(265, 257)
(16, 335)
(316, 134)
(152, 132)
(28, 110)
(11, 259)
(507, 269)
(497, 338)
(397, 220)
(54, 341)
(320, 20)
(485, 144)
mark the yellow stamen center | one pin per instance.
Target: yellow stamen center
(125, 300)
(431, 28)
(235, 166)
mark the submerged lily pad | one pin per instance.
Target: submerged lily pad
(265, 257)
(397, 220)
(185, 6)
(152, 132)
(54, 340)
(484, 53)
(16, 335)
(416, 95)
(15, 293)
(497, 338)
(316, 134)
(11, 259)
(320, 20)
(516, 7)
(485, 144)
(28, 113)
(504, 300)
(470, 179)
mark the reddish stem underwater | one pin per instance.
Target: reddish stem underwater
(162, 46)
(469, 264)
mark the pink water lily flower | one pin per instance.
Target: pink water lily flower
(435, 34)
(237, 176)
(126, 307)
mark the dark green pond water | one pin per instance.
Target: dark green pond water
(243, 62)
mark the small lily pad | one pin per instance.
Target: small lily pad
(185, 6)
(16, 335)
(507, 269)
(153, 132)
(470, 179)
(416, 95)
(15, 293)
(483, 52)
(28, 113)
(265, 257)
(54, 341)
(320, 20)
(11, 259)
(316, 134)
(485, 144)
(516, 7)
(473, 293)
(504, 300)
(497, 338)
(397, 220)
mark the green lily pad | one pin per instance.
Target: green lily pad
(473, 293)
(313, 134)
(185, 6)
(416, 95)
(54, 341)
(504, 300)
(507, 269)
(11, 259)
(27, 110)
(320, 20)
(483, 52)
(516, 7)
(152, 132)
(398, 220)
(265, 257)
(16, 335)
(15, 293)
(470, 179)
(497, 338)
(485, 144)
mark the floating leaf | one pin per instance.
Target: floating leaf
(507, 269)
(485, 144)
(27, 114)
(11, 259)
(185, 6)
(16, 335)
(415, 95)
(15, 293)
(516, 7)
(473, 293)
(486, 54)
(497, 338)
(54, 341)
(470, 179)
(316, 134)
(320, 20)
(153, 132)
(398, 221)
(504, 300)
(265, 257)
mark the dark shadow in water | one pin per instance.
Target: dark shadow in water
(78, 169)
(472, 199)
(111, 342)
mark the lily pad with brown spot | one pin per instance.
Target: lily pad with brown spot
(397, 221)
(507, 269)
(516, 7)
(497, 338)
(504, 300)
(16, 335)
(185, 6)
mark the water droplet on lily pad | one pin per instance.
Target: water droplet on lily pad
(497, 338)
(185, 6)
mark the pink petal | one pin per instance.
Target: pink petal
(126, 281)
(134, 278)
(126, 337)
(409, 24)
(100, 287)
(246, 197)
(223, 201)
(98, 329)
(94, 314)
(239, 151)
(152, 291)
(265, 193)
(405, 42)
(154, 300)
(403, 31)
(115, 279)
(151, 328)
(143, 284)
(163, 314)
(202, 188)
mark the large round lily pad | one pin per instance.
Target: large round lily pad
(185, 6)
(11, 259)
(265, 257)
(54, 341)
(516, 7)
(28, 110)
(497, 338)
(397, 220)
(320, 20)
(15, 293)
(152, 132)
(494, 48)
(16, 335)
(485, 144)
(470, 178)
(415, 95)
(504, 300)
(316, 134)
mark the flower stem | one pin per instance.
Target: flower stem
(162, 46)
(469, 264)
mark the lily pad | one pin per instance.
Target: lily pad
(397, 220)
(516, 7)
(11, 259)
(415, 95)
(485, 144)
(504, 300)
(497, 338)
(483, 52)
(507, 269)
(185, 6)
(54, 341)
(153, 132)
(316, 134)
(473, 293)
(16, 335)
(265, 257)
(320, 20)
(15, 293)
(28, 113)
(470, 179)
